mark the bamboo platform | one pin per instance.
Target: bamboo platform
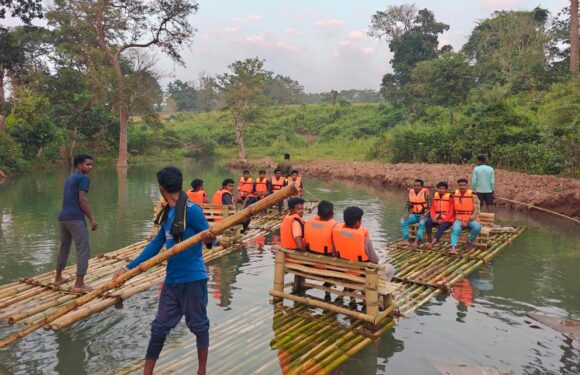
(29, 300)
(309, 340)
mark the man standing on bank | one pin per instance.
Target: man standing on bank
(75, 206)
(285, 166)
(185, 287)
(482, 181)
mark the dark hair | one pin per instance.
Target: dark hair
(292, 202)
(352, 215)
(227, 181)
(171, 179)
(196, 183)
(420, 181)
(294, 171)
(286, 156)
(245, 171)
(261, 171)
(80, 158)
(277, 170)
(444, 184)
(481, 158)
(325, 210)
(462, 180)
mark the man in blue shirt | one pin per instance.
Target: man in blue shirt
(75, 205)
(482, 181)
(185, 288)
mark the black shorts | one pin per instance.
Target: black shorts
(486, 198)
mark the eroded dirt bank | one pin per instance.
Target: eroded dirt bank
(554, 193)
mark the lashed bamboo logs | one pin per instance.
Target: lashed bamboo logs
(215, 229)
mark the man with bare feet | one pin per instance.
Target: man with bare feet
(442, 214)
(416, 209)
(466, 207)
(184, 291)
(75, 206)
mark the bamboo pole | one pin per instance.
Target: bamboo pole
(529, 205)
(180, 247)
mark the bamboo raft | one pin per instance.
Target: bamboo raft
(29, 300)
(309, 340)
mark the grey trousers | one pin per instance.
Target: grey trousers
(74, 230)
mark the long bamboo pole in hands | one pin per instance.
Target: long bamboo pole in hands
(178, 248)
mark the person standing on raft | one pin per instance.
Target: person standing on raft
(416, 211)
(285, 166)
(184, 290)
(466, 205)
(75, 206)
(197, 193)
(482, 181)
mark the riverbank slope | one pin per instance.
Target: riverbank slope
(558, 194)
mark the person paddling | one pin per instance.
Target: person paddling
(184, 290)
(75, 206)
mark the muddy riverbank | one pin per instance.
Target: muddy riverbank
(558, 194)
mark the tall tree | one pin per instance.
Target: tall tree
(393, 22)
(242, 89)
(125, 25)
(574, 36)
(184, 94)
(510, 49)
(26, 10)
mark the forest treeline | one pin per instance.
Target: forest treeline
(86, 81)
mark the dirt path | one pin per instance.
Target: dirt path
(554, 193)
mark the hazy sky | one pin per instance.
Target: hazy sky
(321, 43)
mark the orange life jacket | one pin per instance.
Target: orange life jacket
(418, 202)
(463, 292)
(286, 237)
(350, 243)
(261, 185)
(217, 196)
(298, 183)
(318, 235)
(245, 187)
(463, 205)
(278, 184)
(196, 196)
(441, 204)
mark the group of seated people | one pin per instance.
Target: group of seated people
(321, 234)
(249, 190)
(443, 210)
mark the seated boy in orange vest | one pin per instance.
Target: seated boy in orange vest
(466, 206)
(297, 180)
(261, 188)
(352, 241)
(197, 194)
(292, 229)
(442, 214)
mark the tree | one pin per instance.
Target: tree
(282, 90)
(510, 48)
(443, 81)
(574, 36)
(132, 24)
(26, 10)
(184, 94)
(413, 36)
(242, 89)
(393, 22)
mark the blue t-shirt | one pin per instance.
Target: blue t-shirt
(188, 265)
(71, 208)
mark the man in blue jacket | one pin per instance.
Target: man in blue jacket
(185, 288)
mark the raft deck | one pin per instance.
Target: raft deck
(310, 340)
(31, 299)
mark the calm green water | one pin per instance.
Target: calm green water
(540, 271)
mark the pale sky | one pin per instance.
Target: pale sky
(321, 43)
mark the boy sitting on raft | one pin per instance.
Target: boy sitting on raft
(466, 205)
(292, 229)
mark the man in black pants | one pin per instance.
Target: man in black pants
(75, 205)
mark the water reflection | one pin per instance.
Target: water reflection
(222, 277)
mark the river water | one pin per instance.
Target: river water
(483, 325)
